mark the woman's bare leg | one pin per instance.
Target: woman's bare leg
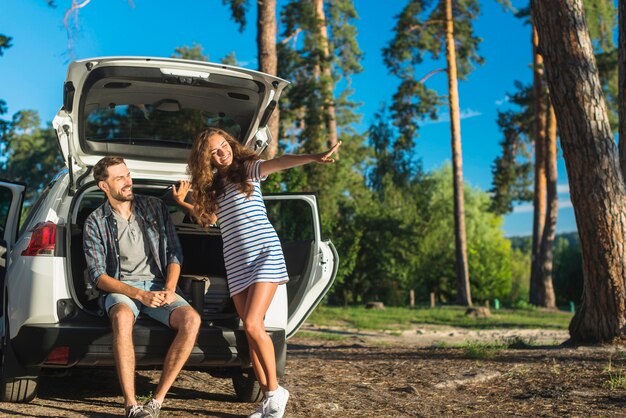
(256, 301)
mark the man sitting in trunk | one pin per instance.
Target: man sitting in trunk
(134, 257)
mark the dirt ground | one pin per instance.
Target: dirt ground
(343, 373)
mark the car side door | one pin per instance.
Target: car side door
(11, 199)
(311, 261)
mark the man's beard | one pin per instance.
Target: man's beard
(121, 198)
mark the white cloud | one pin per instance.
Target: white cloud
(562, 188)
(251, 64)
(528, 207)
(565, 204)
(504, 100)
(469, 113)
(525, 208)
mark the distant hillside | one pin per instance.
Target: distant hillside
(525, 243)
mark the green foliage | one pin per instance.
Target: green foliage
(328, 336)
(520, 277)
(512, 170)
(394, 318)
(482, 350)
(230, 59)
(601, 17)
(524, 244)
(194, 52)
(31, 151)
(304, 110)
(420, 32)
(238, 11)
(616, 380)
(387, 223)
(567, 274)
(393, 163)
(5, 43)
(568, 269)
(386, 260)
(489, 253)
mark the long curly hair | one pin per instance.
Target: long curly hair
(207, 181)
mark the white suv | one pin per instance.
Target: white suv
(148, 111)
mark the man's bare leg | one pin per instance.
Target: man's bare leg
(186, 321)
(122, 322)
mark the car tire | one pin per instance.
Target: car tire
(14, 388)
(247, 388)
(18, 389)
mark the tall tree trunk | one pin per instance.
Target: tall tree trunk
(539, 195)
(268, 60)
(330, 111)
(596, 186)
(464, 296)
(621, 71)
(546, 288)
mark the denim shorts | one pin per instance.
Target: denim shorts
(161, 313)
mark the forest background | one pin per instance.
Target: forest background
(388, 203)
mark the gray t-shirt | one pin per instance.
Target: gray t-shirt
(136, 260)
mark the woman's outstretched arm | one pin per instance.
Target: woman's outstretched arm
(287, 161)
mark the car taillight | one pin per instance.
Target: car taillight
(42, 240)
(60, 355)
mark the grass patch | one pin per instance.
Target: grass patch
(517, 371)
(481, 350)
(393, 318)
(322, 336)
(144, 399)
(519, 342)
(617, 380)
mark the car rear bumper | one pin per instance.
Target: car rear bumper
(91, 346)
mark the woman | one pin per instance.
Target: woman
(226, 186)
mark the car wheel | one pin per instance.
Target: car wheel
(18, 389)
(14, 385)
(246, 386)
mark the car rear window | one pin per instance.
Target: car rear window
(144, 113)
(166, 123)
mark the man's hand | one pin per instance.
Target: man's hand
(170, 297)
(153, 299)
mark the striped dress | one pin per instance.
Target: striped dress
(252, 250)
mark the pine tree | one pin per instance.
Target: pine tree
(303, 61)
(266, 51)
(511, 170)
(597, 188)
(313, 71)
(443, 28)
(31, 151)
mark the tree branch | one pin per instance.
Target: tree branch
(432, 73)
(430, 22)
(72, 12)
(293, 36)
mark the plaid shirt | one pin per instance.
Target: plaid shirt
(100, 238)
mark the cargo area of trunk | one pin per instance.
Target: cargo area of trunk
(203, 275)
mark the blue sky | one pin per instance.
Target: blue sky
(33, 70)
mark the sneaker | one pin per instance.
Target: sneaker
(260, 412)
(153, 408)
(135, 411)
(276, 403)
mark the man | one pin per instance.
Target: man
(134, 256)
